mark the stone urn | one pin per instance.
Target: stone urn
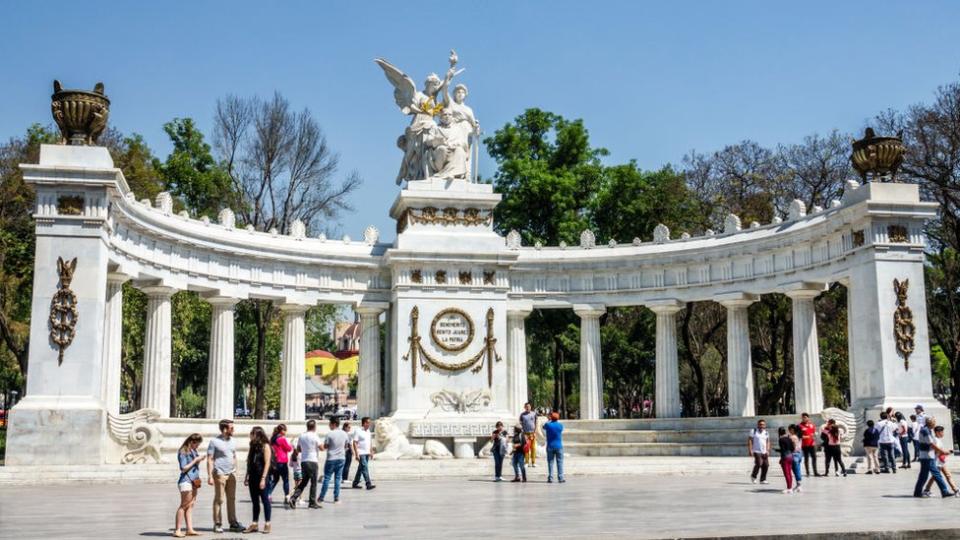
(80, 115)
(877, 157)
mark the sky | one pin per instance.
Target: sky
(651, 81)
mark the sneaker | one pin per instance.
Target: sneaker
(236, 527)
(869, 472)
(797, 489)
(549, 480)
(753, 480)
(314, 505)
(292, 503)
(217, 528)
(355, 486)
(498, 479)
(336, 501)
(837, 473)
(926, 493)
(764, 482)
(533, 465)
(787, 491)
(563, 481)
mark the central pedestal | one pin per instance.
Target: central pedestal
(448, 372)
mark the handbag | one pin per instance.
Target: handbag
(197, 483)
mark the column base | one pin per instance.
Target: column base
(464, 448)
(53, 429)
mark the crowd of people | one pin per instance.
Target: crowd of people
(886, 443)
(270, 462)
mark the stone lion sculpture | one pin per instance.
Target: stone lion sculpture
(393, 444)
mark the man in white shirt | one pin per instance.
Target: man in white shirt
(363, 449)
(888, 440)
(758, 446)
(309, 446)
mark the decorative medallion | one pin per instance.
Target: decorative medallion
(416, 276)
(452, 330)
(488, 277)
(466, 278)
(440, 277)
(858, 238)
(903, 327)
(417, 355)
(63, 309)
(897, 234)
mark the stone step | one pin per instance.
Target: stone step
(654, 449)
(719, 422)
(655, 436)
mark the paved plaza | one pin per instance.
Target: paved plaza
(584, 507)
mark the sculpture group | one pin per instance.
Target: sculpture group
(441, 140)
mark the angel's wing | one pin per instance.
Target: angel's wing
(121, 425)
(405, 90)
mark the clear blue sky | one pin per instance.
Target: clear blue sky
(651, 81)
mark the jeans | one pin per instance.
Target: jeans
(519, 467)
(810, 454)
(929, 467)
(332, 470)
(347, 461)
(905, 450)
(916, 450)
(797, 458)
(761, 463)
(226, 492)
(497, 465)
(887, 459)
(363, 469)
(555, 455)
(280, 471)
(258, 496)
(308, 472)
(786, 464)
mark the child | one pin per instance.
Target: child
(295, 464)
(942, 464)
(871, 444)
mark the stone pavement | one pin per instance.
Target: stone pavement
(584, 507)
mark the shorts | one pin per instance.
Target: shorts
(185, 487)
(297, 476)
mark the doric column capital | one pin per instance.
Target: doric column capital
(293, 309)
(519, 310)
(371, 308)
(222, 301)
(117, 278)
(586, 311)
(158, 291)
(803, 289)
(665, 307)
(736, 299)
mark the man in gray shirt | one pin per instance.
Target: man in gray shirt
(528, 421)
(334, 444)
(221, 472)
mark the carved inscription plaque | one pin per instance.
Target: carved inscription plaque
(452, 330)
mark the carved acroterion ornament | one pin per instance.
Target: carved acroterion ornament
(903, 327)
(63, 309)
(80, 115)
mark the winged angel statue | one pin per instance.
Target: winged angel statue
(430, 149)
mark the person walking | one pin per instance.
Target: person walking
(808, 443)
(903, 433)
(189, 458)
(914, 434)
(257, 479)
(888, 439)
(308, 447)
(347, 451)
(554, 431)
(832, 434)
(758, 447)
(794, 432)
(528, 421)
(498, 442)
(280, 471)
(221, 471)
(785, 449)
(871, 445)
(519, 441)
(334, 444)
(941, 463)
(928, 457)
(363, 449)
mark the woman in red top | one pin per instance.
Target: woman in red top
(808, 443)
(281, 449)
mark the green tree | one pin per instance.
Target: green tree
(191, 174)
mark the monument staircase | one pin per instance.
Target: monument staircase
(715, 436)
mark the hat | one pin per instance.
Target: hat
(919, 406)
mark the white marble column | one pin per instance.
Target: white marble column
(517, 357)
(157, 350)
(292, 383)
(369, 390)
(667, 400)
(739, 363)
(112, 342)
(591, 362)
(220, 368)
(807, 385)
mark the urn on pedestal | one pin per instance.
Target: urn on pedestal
(80, 115)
